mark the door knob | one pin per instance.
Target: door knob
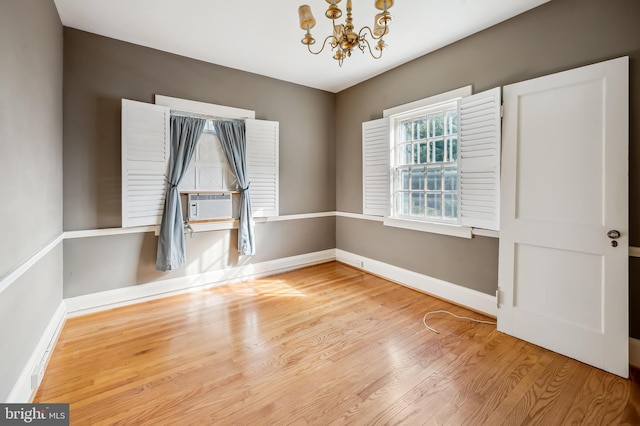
(613, 234)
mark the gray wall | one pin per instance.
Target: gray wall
(26, 309)
(31, 47)
(556, 36)
(98, 73)
(30, 128)
(89, 262)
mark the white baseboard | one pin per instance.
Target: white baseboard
(110, 299)
(24, 390)
(81, 305)
(634, 352)
(475, 300)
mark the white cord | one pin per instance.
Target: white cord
(424, 319)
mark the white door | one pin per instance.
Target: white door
(563, 282)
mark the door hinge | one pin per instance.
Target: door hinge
(501, 111)
(498, 297)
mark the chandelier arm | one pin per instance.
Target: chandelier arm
(333, 22)
(363, 42)
(324, 43)
(362, 33)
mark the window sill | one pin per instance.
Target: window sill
(212, 225)
(435, 228)
(206, 226)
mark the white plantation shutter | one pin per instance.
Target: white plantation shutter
(479, 159)
(375, 167)
(262, 166)
(145, 152)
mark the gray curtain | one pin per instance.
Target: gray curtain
(233, 141)
(185, 133)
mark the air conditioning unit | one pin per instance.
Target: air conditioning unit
(208, 207)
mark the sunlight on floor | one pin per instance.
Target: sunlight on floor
(267, 287)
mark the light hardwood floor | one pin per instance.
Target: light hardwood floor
(324, 345)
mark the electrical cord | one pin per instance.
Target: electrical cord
(424, 319)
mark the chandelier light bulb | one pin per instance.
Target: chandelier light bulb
(307, 21)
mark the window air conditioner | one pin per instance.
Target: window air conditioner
(209, 206)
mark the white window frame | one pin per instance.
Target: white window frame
(436, 227)
(479, 133)
(203, 108)
(397, 166)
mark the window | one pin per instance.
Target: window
(424, 164)
(434, 164)
(209, 169)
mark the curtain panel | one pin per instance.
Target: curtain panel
(185, 133)
(232, 137)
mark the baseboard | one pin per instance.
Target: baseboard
(110, 299)
(454, 293)
(634, 352)
(24, 389)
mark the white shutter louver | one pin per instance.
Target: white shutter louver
(375, 167)
(145, 135)
(479, 159)
(262, 166)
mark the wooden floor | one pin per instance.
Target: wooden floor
(325, 345)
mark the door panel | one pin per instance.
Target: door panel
(546, 157)
(564, 185)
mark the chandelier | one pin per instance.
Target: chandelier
(344, 38)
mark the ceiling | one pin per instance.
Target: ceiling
(263, 37)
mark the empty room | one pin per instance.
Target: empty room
(341, 212)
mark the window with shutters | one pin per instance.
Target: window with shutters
(145, 155)
(434, 164)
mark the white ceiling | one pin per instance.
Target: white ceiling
(263, 37)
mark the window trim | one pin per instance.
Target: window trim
(203, 108)
(432, 227)
(431, 100)
(437, 227)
